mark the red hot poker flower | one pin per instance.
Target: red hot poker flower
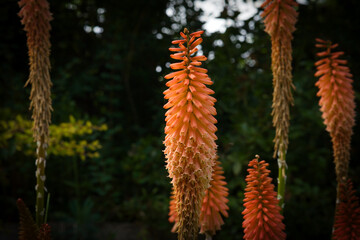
(36, 19)
(347, 217)
(190, 129)
(35, 16)
(337, 103)
(280, 17)
(262, 217)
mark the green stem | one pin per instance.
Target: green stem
(282, 176)
(40, 181)
(47, 207)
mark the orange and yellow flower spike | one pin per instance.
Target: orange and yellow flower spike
(262, 217)
(337, 104)
(280, 17)
(214, 205)
(190, 147)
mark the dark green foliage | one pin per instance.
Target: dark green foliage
(110, 78)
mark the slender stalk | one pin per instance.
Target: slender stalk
(47, 207)
(40, 181)
(281, 177)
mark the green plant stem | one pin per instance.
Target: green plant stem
(40, 181)
(282, 176)
(47, 207)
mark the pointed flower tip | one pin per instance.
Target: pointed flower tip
(260, 202)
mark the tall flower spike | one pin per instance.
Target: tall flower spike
(262, 217)
(337, 104)
(190, 147)
(347, 217)
(214, 205)
(280, 17)
(36, 19)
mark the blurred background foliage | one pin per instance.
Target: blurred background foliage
(106, 163)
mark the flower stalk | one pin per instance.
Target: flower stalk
(280, 17)
(190, 147)
(36, 17)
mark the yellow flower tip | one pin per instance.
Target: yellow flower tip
(190, 147)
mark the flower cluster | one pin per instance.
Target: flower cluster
(337, 103)
(262, 217)
(280, 17)
(190, 147)
(36, 17)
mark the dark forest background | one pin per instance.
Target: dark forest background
(107, 167)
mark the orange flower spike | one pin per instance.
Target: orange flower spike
(337, 104)
(262, 217)
(347, 217)
(190, 147)
(213, 206)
